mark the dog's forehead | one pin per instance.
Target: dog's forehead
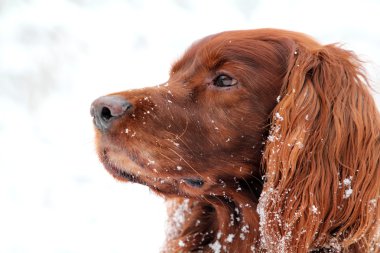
(240, 46)
(213, 49)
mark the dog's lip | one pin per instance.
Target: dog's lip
(158, 184)
(121, 174)
(194, 182)
(125, 176)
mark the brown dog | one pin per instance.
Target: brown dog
(266, 141)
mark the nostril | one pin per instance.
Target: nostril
(106, 113)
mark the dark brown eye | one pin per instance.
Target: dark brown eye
(224, 81)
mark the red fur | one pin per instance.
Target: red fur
(295, 138)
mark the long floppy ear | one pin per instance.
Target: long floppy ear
(322, 158)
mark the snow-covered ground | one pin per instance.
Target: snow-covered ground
(56, 56)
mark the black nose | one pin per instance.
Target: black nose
(105, 109)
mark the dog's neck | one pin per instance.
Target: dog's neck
(228, 223)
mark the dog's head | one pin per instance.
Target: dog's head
(205, 126)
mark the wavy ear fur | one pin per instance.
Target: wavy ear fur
(322, 158)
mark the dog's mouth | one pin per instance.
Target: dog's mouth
(167, 185)
(157, 184)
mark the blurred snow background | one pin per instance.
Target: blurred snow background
(56, 56)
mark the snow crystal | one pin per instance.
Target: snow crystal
(169, 101)
(275, 129)
(150, 162)
(232, 220)
(347, 193)
(181, 243)
(230, 238)
(216, 246)
(244, 230)
(307, 117)
(373, 202)
(314, 209)
(278, 116)
(271, 138)
(179, 168)
(228, 140)
(278, 99)
(126, 130)
(347, 181)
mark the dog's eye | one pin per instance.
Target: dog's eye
(224, 81)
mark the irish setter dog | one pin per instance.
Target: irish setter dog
(261, 141)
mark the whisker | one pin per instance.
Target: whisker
(187, 124)
(160, 153)
(185, 161)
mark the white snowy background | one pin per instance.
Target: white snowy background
(56, 56)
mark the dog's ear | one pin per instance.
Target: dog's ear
(322, 157)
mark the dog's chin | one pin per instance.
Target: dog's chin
(130, 169)
(164, 186)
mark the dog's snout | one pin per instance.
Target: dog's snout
(105, 109)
